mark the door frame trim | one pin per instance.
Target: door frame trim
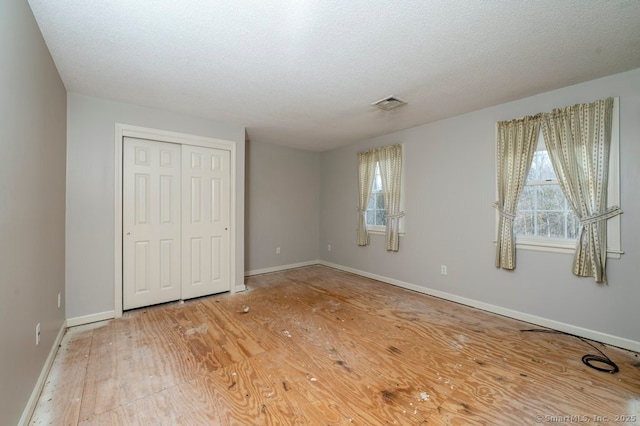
(127, 130)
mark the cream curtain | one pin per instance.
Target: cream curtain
(516, 144)
(366, 172)
(578, 139)
(390, 162)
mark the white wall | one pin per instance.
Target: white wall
(282, 206)
(91, 196)
(32, 198)
(450, 189)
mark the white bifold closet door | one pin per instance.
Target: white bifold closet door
(176, 201)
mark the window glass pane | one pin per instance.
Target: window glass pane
(380, 217)
(542, 224)
(541, 168)
(377, 179)
(551, 224)
(380, 201)
(371, 217)
(550, 197)
(527, 199)
(523, 224)
(372, 202)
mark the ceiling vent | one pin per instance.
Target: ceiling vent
(389, 103)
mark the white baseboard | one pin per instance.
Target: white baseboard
(42, 378)
(240, 288)
(87, 319)
(609, 339)
(280, 268)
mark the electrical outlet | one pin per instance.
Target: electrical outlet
(59, 299)
(277, 250)
(443, 269)
(328, 247)
(37, 334)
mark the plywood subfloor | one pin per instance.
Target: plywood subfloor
(322, 347)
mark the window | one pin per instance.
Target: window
(376, 215)
(380, 188)
(543, 211)
(544, 221)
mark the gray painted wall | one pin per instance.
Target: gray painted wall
(91, 196)
(32, 200)
(450, 189)
(282, 206)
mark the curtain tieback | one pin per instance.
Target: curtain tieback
(362, 212)
(503, 212)
(395, 216)
(607, 214)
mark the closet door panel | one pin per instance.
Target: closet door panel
(151, 223)
(205, 225)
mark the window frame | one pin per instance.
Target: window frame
(561, 245)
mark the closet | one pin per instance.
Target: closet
(175, 221)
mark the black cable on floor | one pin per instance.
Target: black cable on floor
(588, 359)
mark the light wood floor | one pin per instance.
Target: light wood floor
(323, 347)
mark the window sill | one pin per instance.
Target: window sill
(551, 247)
(557, 246)
(381, 231)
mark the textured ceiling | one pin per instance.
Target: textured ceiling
(303, 73)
